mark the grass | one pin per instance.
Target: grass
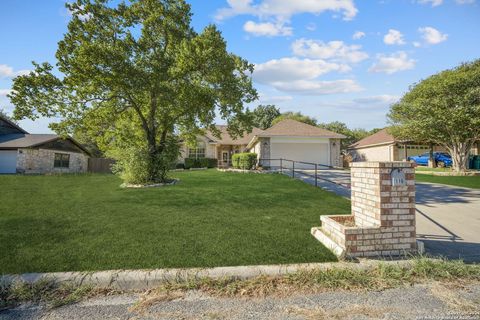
(460, 181)
(438, 169)
(86, 222)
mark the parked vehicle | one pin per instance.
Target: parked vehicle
(442, 159)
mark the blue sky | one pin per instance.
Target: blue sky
(345, 60)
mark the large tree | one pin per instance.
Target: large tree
(442, 109)
(298, 116)
(134, 75)
(263, 116)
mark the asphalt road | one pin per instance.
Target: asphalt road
(427, 301)
(448, 217)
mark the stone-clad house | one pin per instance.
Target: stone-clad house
(21, 152)
(288, 139)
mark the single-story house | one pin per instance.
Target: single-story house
(382, 146)
(21, 152)
(288, 139)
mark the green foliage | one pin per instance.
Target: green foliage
(5, 115)
(263, 116)
(298, 116)
(245, 161)
(200, 163)
(136, 73)
(442, 109)
(352, 135)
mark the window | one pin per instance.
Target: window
(62, 160)
(198, 152)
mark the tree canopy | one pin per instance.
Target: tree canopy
(263, 116)
(442, 109)
(298, 116)
(133, 76)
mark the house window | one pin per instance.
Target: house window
(62, 160)
(197, 152)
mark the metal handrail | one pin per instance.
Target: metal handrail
(316, 165)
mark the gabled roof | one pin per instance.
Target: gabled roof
(225, 137)
(289, 127)
(22, 140)
(10, 124)
(378, 138)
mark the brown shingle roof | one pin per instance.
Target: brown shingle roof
(289, 127)
(381, 137)
(20, 140)
(225, 137)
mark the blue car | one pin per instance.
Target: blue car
(442, 159)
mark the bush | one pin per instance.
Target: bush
(200, 163)
(245, 161)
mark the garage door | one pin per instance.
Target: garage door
(307, 152)
(8, 161)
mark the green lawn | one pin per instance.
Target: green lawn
(464, 181)
(438, 169)
(86, 222)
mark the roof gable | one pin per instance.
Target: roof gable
(9, 127)
(225, 137)
(48, 141)
(380, 137)
(289, 127)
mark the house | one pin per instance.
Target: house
(382, 146)
(21, 152)
(288, 139)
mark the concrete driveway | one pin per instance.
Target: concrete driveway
(448, 217)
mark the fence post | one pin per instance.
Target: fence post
(293, 169)
(316, 184)
(281, 165)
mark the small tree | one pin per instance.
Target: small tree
(135, 75)
(443, 109)
(263, 116)
(298, 116)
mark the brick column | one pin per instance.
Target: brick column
(383, 212)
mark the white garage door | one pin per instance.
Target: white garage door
(307, 152)
(8, 161)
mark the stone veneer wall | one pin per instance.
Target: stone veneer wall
(41, 161)
(335, 159)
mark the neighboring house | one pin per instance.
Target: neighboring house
(288, 139)
(382, 146)
(21, 152)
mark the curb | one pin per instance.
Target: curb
(147, 279)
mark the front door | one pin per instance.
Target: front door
(225, 158)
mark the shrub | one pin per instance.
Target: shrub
(245, 161)
(200, 163)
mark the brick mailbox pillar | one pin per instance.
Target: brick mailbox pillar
(382, 222)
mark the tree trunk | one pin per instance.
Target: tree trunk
(431, 160)
(459, 152)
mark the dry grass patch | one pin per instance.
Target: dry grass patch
(320, 313)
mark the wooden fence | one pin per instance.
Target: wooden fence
(100, 165)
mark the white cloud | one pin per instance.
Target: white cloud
(300, 76)
(264, 98)
(416, 44)
(393, 37)
(333, 50)
(289, 69)
(267, 29)
(317, 87)
(358, 35)
(434, 3)
(380, 99)
(465, 1)
(7, 72)
(311, 26)
(395, 62)
(432, 35)
(284, 9)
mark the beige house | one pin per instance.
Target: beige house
(288, 139)
(382, 146)
(21, 152)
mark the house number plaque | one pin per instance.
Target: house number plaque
(398, 177)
